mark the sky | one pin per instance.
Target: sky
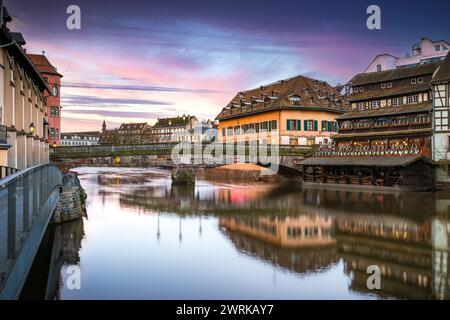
(137, 61)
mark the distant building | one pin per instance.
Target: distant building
(299, 110)
(110, 137)
(205, 132)
(423, 52)
(130, 133)
(170, 129)
(53, 79)
(88, 138)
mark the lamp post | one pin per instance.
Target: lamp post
(32, 128)
(54, 144)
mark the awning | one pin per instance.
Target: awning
(370, 161)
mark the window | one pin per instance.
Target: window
(361, 89)
(223, 132)
(389, 85)
(274, 124)
(55, 91)
(397, 101)
(293, 125)
(54, 112)
(437, 47)
(325, 125)
(229, 131)
(383, 85)
(420, 80)
(360, 106)
(311, 125)
(378, 67)
(237, 130)
(295, 100)
(375, 104)
(413, 99)
(355, 89)
(413, 80)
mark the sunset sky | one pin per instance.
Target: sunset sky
(139, 60)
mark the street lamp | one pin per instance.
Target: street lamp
(32, 127)
(54, 144)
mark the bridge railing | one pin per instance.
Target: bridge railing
(23, 196)
(160, 148)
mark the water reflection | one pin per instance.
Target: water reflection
(230, 241)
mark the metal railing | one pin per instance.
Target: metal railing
(23, 199)
(7, 171)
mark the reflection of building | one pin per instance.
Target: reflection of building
(298, 243)
(298, 110)
(286, 231)
(413, 257)
(53, 78)
(88, 138)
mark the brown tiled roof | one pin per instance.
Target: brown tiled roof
(411, 108)
(394, 91)
(443, 73)
(173, 122)
(381, 161)
(43, 64)
(276, 96)
(132, 126)
(394, 74)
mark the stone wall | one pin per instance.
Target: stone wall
(71, 205)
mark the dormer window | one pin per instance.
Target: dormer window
(295, 100)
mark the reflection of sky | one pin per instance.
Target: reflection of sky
(148, 59)
(121, 257)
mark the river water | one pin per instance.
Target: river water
(144, 239)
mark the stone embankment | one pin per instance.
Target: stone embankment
(71, 205)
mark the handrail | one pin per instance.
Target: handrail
(24, 198)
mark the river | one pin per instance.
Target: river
(144, 239)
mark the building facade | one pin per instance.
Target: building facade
(131, 133)
(441, 107)
(386, 138)
(424, 51)
(88, 138)
(296, 111)
(53, 79)
(23, 109)
(170, 129)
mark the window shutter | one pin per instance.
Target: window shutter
(330, 126)
(288, 125)
(324, 125)
(316, 125)
(299, 125)
(305, 125)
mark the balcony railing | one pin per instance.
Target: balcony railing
(388, 127)
(369, 152)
